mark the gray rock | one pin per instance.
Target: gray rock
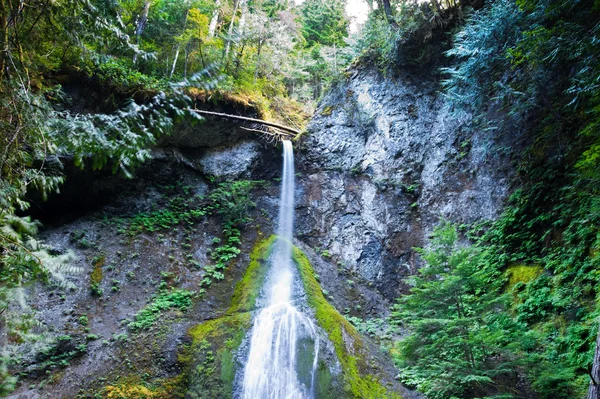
(383, 161)
(230, 162)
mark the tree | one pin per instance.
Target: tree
(388, 11)
(459, 338)
(214, 20)
(594, 389)
(324, 23)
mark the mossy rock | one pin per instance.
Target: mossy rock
(133, 387)
(358, 379)
(97, 275)
(328, 110)
(214, 344)
(210, 357)
(248, 288)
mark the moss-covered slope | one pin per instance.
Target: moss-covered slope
(210, 356)
(212, 366)
(358, 376)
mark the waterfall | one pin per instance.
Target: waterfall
(282, 335)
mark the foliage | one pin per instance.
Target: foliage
(377, 328)
(58, 353)
(459, 338)
(178, 210)
(537, 62)
(165, 300)
(232, 200)
(482, 68)
(413, 35)
(558, 305)
(324, 23)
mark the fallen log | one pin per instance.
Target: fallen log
(294, 132)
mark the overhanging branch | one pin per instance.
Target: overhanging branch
(292, 132)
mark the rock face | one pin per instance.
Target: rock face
(233, 162)
(384, 160)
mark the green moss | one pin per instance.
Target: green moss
(328, 110)
(248, 288)
(135, 387)
(97, 275)
(349, 348)
(522, 274)
(210, 357)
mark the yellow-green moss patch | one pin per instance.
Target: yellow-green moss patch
(132, 387)
(129, 392)
(248, 288)
(522, 274)
(96, 276)
(328, 110)
(349, 348)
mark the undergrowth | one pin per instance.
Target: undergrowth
(165, 300)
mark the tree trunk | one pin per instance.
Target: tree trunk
(212, 27)
(241, 28)
(143, 19)
(179, 45)
(141, 25)
(238, 61)
(594, 389)
(389, 12)
(258, 51)
(244, 10)
(230, 32)
(4, 374)
(185, 63)
(291, 130)
(334, 58)
(3, 38)
(175, 60)
(201, 55)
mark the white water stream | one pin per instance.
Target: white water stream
(275, 367)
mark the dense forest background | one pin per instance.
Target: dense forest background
(513, 314)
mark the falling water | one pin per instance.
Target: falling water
(281, 331)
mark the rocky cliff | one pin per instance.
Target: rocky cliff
(383, 160)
